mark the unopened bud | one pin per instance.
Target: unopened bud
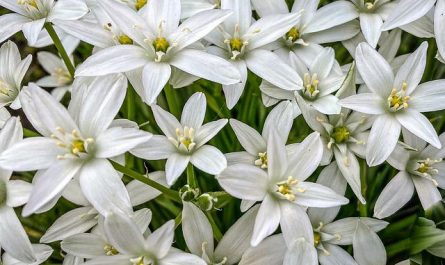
(188, 194)
(206, 202)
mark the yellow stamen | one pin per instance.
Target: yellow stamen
(340, 134)
(161, 44)
(140, 4)
(124, 39)
(293, 34)
(236, 44)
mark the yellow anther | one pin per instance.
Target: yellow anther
(397, 100)
(310, 84)
(124, 39)
(110, 250)
(288, 188)
(78, 146)
(340, 134)
(317, 238)
(32, 3)
(293, 34)
(161, 44)
(262, 160)
(140, 4)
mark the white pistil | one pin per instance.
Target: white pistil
(184, 139)
(310, 86)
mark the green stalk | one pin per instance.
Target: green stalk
(398, 247)
(29, 133)
(137, 176)
(191, 179)
(178, 220)
(363, 208)
(130, 104)
(216, 232)
(66, 59)
(171, 100)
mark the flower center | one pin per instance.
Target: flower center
(161, 44)
(124, 39)
(340, 134)
(140, 4)
(184, 139)
(425, 168)
(6, 89)
(369, 4)
(317, 238)
(28, 3)
(110, 250)
(3, 194)
(262, 160)
(75, 145)
(143, 261)
(236, 46)
(310, 86)
(289, 188)
(63, 76)
(293, 34)
(398, 99)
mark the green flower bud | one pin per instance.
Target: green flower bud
(206, 202)
(188, 194)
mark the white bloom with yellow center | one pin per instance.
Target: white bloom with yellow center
(396, 100)
(30, 16)
(76, 143)
(159, 46)
(422, 170)
(184, 141)
(282, 190)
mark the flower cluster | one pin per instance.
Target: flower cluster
(142, 145)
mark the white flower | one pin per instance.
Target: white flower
(320, 79)
(96, 244)
(11, 74)
(158, 44)
(199, 236)
(42, 252)
(134, 248)
(372, 14)
(421, 170)
(59, 78)
(75, 144)
(333, 22)
(396, 100)
(244, 42)
(281, 190)
(184, 141)
(13, 193)
(30, 16)
(193, 7)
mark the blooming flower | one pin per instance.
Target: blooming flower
(30, 16)
(158, 44)
(11, 74)
(134, 248)
(184, 141)
(421, 170)
(282, 190)
(244, 42)
(75, 144)
(333, 22)
(13, 193)
(397, 101)
(199, 236)
(59, 78)
(320, 79)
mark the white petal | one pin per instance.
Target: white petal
(197, 230)
(241, 16)
(209, 159)
(154, 77)
(194, 111)
(166, 121)
(116, 141)
(207, 66)
(375, 70)
(382, 139)
(364, 102)
(96, 116)
(71, 223)
(234, 92)
(123, 234)
(295, 223)
(175, 166)
(49, 183)
(208, 131)
(181, 258)
(282, 117)
(12, 23)
(394, 196)
(429, 96)
(141, 193)
(406, 12)
(419, 125)
(84, 245)
(32, 29)
(267, 220)
(350, 169)
(248, 137)
(332, 15)
(18, 192)
(371, 25)
(158, 147)
(103, 187)
(68, 10)
(160, 241)
(269, 252)
(327, 104)
(427, 192)
(439, 29)
(316, 195)
(271, 68)
(244, 182)
(116, 59)
(88, 32)
(13, 238)
(337, 255)
(302, 252)
(236, 240)
(368, 248)
(165, 13)
(411, 71)
(267, 7)
(277, 161)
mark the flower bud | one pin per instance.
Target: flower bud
(206, 202)
(188, 194)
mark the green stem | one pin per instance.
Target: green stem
(135, 175)
(398, 247)
(216, 232)
(171, 100)
(178, 220)
(66, 59)
(29, 133)
(130, 104)
(363, 208)
(191, 179)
